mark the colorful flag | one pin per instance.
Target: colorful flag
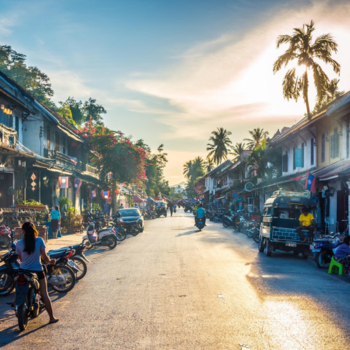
(77, 185)
(73, 159)
(310, 182)
(63, 181)
(106, 194)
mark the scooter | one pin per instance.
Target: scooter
(200, 224)
(27, 302)
(227, 220)
(5, 237)
(323, 249)
(104, 237)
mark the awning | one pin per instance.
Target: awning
(71, 134)
(137, 199)
(333, 171)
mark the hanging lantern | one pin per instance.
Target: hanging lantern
(2, 106)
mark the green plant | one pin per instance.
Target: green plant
(96, 207)
(63, 201)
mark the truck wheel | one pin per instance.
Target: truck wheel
(268, 247)
(261, 244)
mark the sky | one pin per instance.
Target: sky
(171, 72)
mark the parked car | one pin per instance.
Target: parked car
(131, 217)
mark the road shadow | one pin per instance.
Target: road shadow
(188, 233)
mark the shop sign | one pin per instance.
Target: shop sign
(239, 199)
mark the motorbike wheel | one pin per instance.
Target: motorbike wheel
(22, 317)
(88, 244)
(69, 277)
(249, 233)
(4, 242)
(261, 245)
(320, 260)
(112, 242)
(224, 224)
(256, 238)
(135, 231)
(6, 284)
(82, 267)
(121, 235)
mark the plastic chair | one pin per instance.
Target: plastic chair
(331, 225)
(334, 266)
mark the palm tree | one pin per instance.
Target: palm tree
(257, 137)
(237, 150)
(188, 166)
(209, 164)
(303, 52)
(331, 92)
(219, 148)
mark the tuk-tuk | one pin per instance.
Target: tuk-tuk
(280, 220)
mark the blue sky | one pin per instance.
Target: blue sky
(171, 71)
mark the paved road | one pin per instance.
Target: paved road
(173, 287)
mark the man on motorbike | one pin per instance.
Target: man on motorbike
(200, 214)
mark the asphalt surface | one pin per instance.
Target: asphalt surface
(172, 287)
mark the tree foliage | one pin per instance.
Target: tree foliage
(237, 150)
(193, 170)
(220, 145)
(306, 54)
(257, 137)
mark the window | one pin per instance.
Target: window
(285, 162)
(312, 153)
(57, 141)
(302, 154)
(294, 167)
(335, 144)
(323, 148)
(48, 137)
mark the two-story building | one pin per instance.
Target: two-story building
(52, 157)
(319, 145)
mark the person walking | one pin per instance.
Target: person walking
(30, 249)
(55, 218)
(171, 207)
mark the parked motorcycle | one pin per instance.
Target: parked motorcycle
(5, 237)
(95, 237)
(60, 277)
(78, 258)
(228, 220)
(323, 249)
(254, 231)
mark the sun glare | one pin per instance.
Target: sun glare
(300, 70)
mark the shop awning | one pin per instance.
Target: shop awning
(333, 171)
(138, 199)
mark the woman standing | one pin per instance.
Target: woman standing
(55, 217)
(29, 251)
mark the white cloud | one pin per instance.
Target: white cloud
(229, 82)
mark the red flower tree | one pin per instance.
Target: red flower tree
(114, 153)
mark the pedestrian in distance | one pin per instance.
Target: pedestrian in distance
(30, 250)
(55, 219)
(171, 207)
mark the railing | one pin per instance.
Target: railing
(92, 171)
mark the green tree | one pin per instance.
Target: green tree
(331, 92)
(64, 111)
(193, 170)
(77, 110)
(31, 78)
(209, 165)
(304, 52)
(257, 137)
(93, 111)
(221, 143)
(237, 150)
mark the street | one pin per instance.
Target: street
(172, 287)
